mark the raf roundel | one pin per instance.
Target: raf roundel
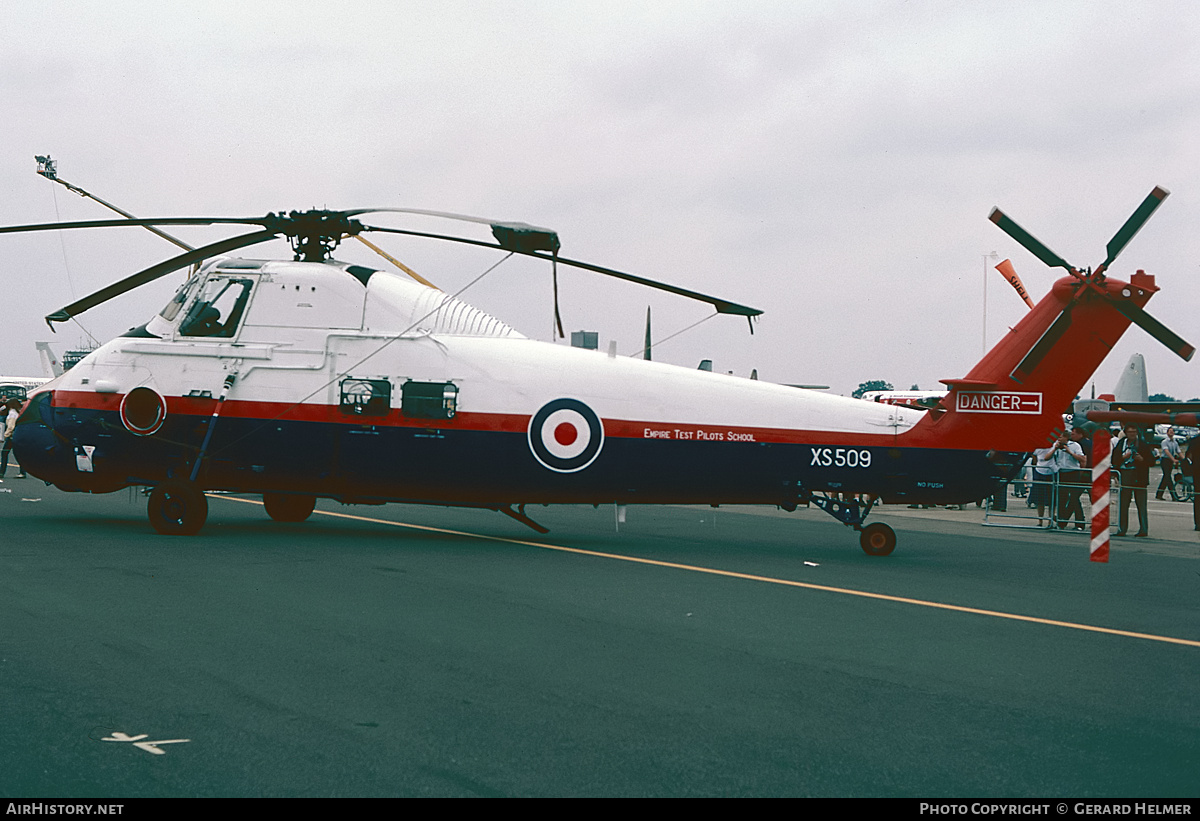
(565, 435)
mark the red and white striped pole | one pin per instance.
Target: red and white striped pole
(1101, 484)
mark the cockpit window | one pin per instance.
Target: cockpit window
(219, 308)
(181, 296)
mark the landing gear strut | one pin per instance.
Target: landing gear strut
(877, 539)
(177, 508)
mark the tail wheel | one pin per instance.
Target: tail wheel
(877, 539)
(287, 507)
(177, 509)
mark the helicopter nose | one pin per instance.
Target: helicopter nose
(54, 454)
(34, 444)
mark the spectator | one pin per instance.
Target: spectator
(8, 420)
(1132, 457)
(1170, 455)
(1021, 483)
(1072, 478)
(1191, 459)
(1085, 443)
(1045, 471)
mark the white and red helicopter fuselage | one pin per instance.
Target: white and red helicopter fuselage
(309, 379)
(332, 380)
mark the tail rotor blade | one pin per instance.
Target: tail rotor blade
(1028, 240)
(1155, 328)
(1134, 224)
(1007, 271)
(1042, 347)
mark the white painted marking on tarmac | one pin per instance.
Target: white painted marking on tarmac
(997, 614)
(149, 746)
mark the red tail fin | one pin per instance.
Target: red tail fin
(1014, 398)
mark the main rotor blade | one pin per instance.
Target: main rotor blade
(354, 212)
(155, 271)
(48, 169)
(1042, 347)
(722, 306)
(1134, 224)
(1028, 240)
(1153, 327)
(143, 223)
(518, 237)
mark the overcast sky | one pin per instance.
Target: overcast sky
(831, 163)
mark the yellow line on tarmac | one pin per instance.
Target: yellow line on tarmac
(751, 577)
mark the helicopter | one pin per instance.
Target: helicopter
(314, 378)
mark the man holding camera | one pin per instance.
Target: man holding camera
(1133, 458)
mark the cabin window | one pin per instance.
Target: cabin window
(366, 397)
(429, 400)
(218, 310)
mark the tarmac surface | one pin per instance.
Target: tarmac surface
(409, 651)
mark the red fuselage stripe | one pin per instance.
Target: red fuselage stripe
(490, 422)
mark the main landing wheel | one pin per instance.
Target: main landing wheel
(288, 507)
(877, 539)
(177, 509)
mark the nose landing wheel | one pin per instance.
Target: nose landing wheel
(177, 508)
(877, 539)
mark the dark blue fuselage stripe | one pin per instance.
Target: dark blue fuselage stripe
(485, 467)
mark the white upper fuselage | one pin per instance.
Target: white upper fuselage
(305, 326)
